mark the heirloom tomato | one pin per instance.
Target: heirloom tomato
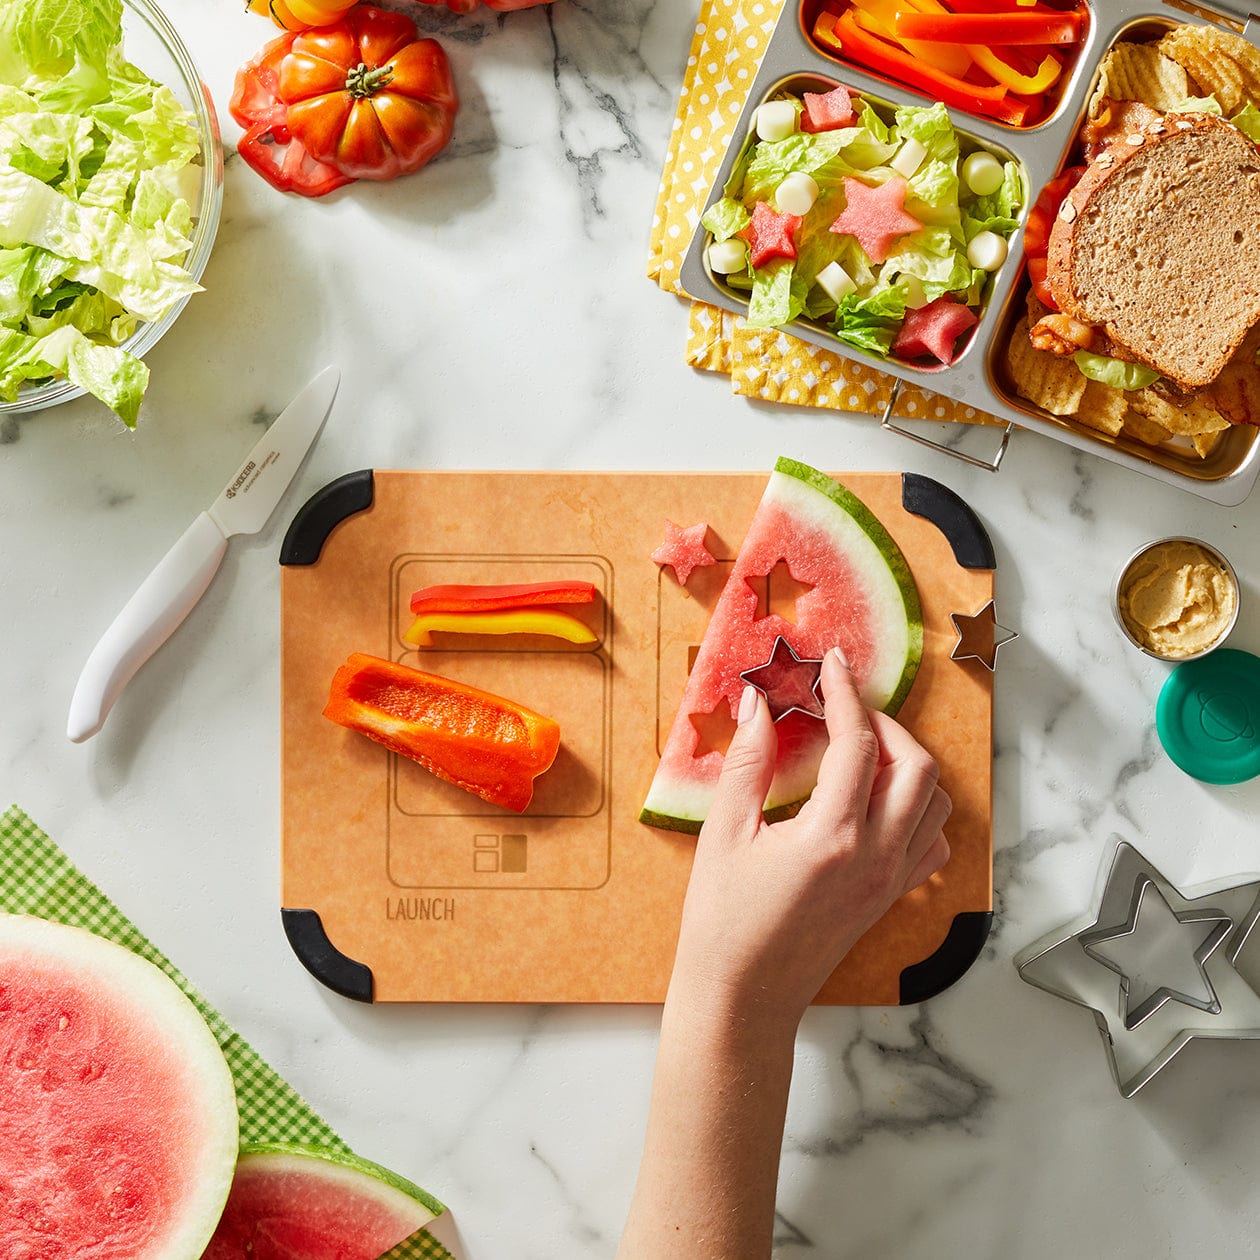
(367, 95)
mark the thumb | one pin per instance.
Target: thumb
(746, 772)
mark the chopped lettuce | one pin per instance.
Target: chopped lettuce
(1117, 373)
(96, 189)
(1247, 120)
(934, 257)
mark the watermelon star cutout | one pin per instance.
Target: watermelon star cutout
(787, 682)
(875, 216)
(684, 550)
(934, 329)
(770, 234)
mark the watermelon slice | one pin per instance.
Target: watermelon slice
(863, 599)
(308, 1203)
(875, 216)
(118, 1127)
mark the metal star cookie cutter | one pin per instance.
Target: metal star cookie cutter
(979, 637)
(1060, 964)
(788, 682)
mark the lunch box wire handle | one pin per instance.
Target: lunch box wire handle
(989, 465)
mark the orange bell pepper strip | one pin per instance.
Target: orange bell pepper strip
(879, 17)
(452, 598)
(550, 621)
(481, 742)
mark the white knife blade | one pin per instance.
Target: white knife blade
(181, 577)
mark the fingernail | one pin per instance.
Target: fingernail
(840, 656)
(747, 705)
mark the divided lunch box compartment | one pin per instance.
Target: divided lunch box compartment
(793, 63)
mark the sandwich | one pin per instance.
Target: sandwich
(1144, 320)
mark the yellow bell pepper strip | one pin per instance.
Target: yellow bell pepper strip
(990, 28)
(1046, 77)
(550, 621)
(453, 598)
(492, 747)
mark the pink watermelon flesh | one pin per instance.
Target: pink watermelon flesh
(294, 1203)
(770, 234)
(827, 111)
(118, 1129)
(875, 216)
(684, 550)
(933, 330)
(863, 599)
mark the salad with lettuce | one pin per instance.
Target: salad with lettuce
(959, 210)
(98, 177)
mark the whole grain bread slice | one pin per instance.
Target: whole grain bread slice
(1159, 246)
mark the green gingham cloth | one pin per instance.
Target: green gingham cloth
(37, 878)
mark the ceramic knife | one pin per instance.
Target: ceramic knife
(172, 589)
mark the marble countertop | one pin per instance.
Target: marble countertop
(492, 312)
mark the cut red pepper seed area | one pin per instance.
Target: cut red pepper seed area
(483, 743)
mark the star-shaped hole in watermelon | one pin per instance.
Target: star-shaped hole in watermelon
(713, 730)
(777, 592)
(684, 550)
(787, 682)
(876, 215)
(770, 235)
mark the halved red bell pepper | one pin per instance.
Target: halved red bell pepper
(481, 742)
(469, 598)
(990, 28)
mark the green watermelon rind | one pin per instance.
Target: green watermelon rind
(691, 826)
(355, 1163)
(892, 554)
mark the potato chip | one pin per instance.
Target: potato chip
(1047, 380)
(1184, 416)
(1221, 63)
(1205, 443)
(1102, 408)
(1140, 72)
(1148, 431)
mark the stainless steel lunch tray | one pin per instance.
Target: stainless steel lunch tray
(978, 376)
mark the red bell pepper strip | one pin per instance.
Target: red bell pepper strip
(453, 598)
(482, 743)
(876, 54)
(1037, 230)
(990, 28)
(999, 6)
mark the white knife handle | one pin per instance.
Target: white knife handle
(149, 618)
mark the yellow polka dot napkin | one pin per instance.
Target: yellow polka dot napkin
(730, 38)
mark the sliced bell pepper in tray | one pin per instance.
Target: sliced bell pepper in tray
(990, 28)
(483, 743)
(470, 598)
(548, 621)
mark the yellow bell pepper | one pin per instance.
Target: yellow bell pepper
(549, 621)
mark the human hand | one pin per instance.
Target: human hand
(771, 909)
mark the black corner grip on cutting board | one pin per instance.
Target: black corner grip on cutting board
(323, 959)
(322, 513)
(960, 948)
(940, 505)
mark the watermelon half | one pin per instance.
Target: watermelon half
(309, 1203)
(863, 599)
(118, 1125)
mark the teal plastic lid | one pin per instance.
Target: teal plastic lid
(1208, 716)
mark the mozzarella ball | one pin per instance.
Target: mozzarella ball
(796, 194)
(983, 174)
(776, 120)
(728, 257)
(987, 251)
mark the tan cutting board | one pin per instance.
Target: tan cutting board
(400, 887)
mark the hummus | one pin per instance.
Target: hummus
(1176, 599)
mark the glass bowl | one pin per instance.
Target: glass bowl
(151, 43)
